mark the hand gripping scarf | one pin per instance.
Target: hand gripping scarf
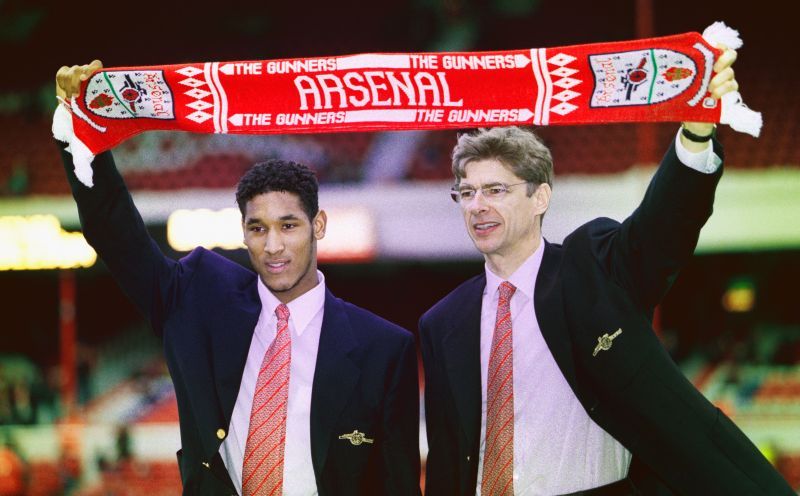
(648, 80)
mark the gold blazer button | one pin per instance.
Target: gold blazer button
(220, 433)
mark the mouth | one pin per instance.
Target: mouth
(485, 228)
(276, 267)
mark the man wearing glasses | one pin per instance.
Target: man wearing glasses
(543, 375)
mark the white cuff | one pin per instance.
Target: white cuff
(705, 161)
(81, 155)
(62, 125)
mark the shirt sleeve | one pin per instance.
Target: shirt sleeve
(705, 161)
(62, 125)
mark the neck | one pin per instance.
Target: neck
(505, 264)
(306, 283)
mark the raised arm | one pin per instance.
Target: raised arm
(651, 246)
(112, 224)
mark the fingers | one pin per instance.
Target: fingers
(725, 60)
(69, 79)
(90, 69)
(721, 78)
(60, 82)
(725, 88)
(725, 80)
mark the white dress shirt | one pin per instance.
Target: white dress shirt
(558, 448)
(305, 324)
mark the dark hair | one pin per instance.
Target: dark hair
(279, 175)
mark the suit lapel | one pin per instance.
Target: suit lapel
(462, 355)
(549, 307)
(335, 376)
(461, 343)
(232, 346)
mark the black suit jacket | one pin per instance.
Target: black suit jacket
(206, 307)
(606, 276)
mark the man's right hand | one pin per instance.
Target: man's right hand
(69, 79)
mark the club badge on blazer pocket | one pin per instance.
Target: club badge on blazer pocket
(605, 342)
(614, 343)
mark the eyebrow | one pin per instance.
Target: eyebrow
(256, 220)
(487, 185)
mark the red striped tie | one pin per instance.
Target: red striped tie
(498, 458)
(262, 473)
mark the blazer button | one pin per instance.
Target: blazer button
(220, 433)
(206, 465)
(467, 457)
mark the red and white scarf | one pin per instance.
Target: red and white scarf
(648, 80)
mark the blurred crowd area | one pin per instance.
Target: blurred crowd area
(48, 447)
(120, 435)
(25, 396)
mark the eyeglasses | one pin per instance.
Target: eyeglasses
(490, 192)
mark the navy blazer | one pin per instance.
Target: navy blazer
(606, 276)
(206, 308)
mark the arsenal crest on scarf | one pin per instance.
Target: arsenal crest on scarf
(640, 77)
(649, 80)
(129, 95)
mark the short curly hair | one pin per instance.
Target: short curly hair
(279, 175)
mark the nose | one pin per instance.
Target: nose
(274, 242)
(478, 203)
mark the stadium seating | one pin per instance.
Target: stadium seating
(789, 466)
(137, 478)
(44, 479)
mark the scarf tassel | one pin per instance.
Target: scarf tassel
(734, 111)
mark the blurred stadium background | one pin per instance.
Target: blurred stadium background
(86, 406)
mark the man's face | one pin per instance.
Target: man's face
(282, 243)
(505, 226)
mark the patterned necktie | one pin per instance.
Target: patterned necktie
(262, 473)
(498, 457)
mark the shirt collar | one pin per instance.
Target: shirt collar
(524, 278)
(301, 310)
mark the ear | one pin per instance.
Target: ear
(320, 223)
(542, 198)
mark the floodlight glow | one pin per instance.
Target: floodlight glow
(740, 296)
(38, 242)
(187, 229)
(350, 233)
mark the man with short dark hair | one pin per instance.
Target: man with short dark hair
(543, 375)
(282, 388)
